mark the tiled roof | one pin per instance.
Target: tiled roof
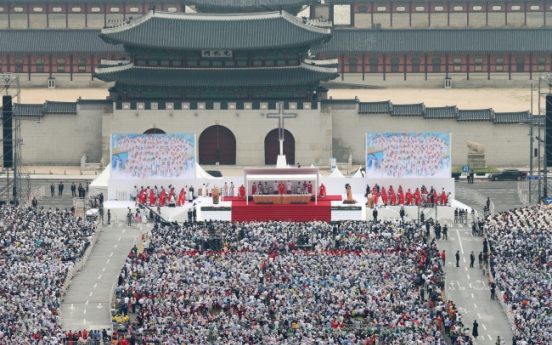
(60, 107)
(374, 107)
(401, 2)
(441, 112)
(132, 75)
(434, 41)
(195, 31)
(247, 5)
(408, 109)
(539, 120)
(29, 110)
(516, 117)
(107, 2)
(339, 101)
(475, 115)
(55, 41)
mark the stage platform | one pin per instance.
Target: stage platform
(328, 209)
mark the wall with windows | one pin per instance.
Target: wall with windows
(442, 14)
(59, 14)
(467, 69)
(69, 70)
(233, 59)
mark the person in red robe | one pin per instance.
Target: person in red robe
(435, 197)
(400, 190)
(309, 187)
(417, 197)
(182, 197)
(152, 197)
(393, 197)
(409, 197)
(282, 188)
(254, 189)
(241, 191)
(444, 198)
(143, 196)
(384, 196)
(322, 191)
(260, 188)
(375, 194)
(162, 197)
(401, 197)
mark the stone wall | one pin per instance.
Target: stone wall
(62, 139)
(506, 144)
(311, 130)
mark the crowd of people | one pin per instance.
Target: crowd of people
(38, 248)
(408, 155)
(520, 245)
(158, 156)
(286, 283)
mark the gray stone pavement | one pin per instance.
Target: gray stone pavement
(88, 300)
(468, 289)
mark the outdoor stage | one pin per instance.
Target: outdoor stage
(328, 209)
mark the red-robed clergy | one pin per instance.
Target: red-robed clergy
(417, 197)
(443, 198)
(282, 188)
(435, 197)
(409, 197)
(162, 197)
(322, 191)
(375, 194)
(401, 198)
(400, 190)
(384, 196)
(241, 191)
(254, 189)
(172, 193)
(152, 197)
(309, 187)
(143, 196)
(182, 197)
(393, 197)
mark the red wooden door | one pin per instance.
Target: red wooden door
(217, 144)
(272, 147)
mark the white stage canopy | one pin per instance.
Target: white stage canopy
(99, 185)
(336, 173)
(281, 174)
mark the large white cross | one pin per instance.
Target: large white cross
(281, 115)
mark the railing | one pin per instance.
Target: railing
(474, 196)
(138, 241)
(81, 262)
(506, 308)
(523, 191)
(37, 193)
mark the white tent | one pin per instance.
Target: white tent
(358, 173)
(200, 173)
(336, 173)
(99, 185)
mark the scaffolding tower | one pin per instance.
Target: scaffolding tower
(15, 186)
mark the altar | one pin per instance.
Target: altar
(282, 199)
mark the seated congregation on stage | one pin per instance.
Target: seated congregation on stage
(380, 196)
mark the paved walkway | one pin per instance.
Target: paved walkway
(468, 287)
(87, 302)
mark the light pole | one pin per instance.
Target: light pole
(531, 145)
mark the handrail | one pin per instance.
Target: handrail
(472, 195)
